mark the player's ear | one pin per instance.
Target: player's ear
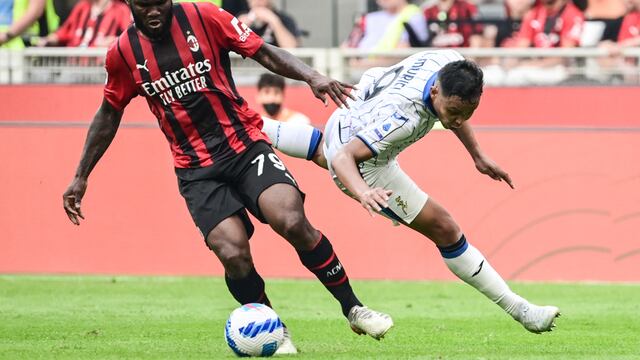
(435, 90)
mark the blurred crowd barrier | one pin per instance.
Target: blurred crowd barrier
(502, 66)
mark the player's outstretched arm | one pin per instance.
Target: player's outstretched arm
(283, 63)
(101, 132)
(483, 163)
(345, 165)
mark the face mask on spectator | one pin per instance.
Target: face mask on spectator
(272, 108)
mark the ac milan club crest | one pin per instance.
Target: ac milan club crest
(192, 42)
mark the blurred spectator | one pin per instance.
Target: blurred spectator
(452, 23)
(92, 23)
(550, 23)
(509, 28)
(630, 30)
(275, 27)
(271, 97)
(604, 9)
(21, 21)
(397, 24)
(602, 21)
(629, 36)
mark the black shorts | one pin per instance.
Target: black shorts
(232, 186)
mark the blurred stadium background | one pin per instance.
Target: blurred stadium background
(572, 149)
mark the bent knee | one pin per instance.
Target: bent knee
(297, 230)
(236, 258)
(293, 225)
(446, 231)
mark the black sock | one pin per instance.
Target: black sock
(249, 289)
(324, 263)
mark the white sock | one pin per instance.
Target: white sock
(470, 266)
(293, 139)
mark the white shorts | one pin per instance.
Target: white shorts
(407, 199)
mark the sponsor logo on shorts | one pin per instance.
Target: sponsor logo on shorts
(401, 204)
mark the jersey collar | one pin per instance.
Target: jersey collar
(426, 94)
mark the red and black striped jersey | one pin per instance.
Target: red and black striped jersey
(186, 79)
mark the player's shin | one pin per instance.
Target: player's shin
(470, 265)
(324, 263)
(249, 289)
(297, 140)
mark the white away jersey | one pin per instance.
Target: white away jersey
(389, 112)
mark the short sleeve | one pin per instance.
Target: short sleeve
(390, 127)
(120, 87)
(231, 32)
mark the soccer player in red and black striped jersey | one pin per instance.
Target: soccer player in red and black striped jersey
(177, 57)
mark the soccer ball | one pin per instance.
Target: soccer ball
(254, 330)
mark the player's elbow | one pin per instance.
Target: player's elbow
(342, 159)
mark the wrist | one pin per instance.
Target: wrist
(9, 34)
(311, 76)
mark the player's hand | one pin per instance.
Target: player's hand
(337, 90)
(71, 199)
(490, 168)
(374, 200)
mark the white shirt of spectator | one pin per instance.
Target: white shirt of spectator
(377, 23)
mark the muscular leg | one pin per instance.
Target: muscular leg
(282, 207)
(229, 241)
(466, 262)
(435, 222)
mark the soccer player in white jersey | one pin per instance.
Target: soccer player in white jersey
(395, 107)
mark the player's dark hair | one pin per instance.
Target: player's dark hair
(463, 79)
(271, 80)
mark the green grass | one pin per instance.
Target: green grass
(183, 318)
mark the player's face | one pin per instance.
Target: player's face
(271, 98)
(452, 110)
(152, 17)
(270, 94)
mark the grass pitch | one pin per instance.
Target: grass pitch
(183, 318)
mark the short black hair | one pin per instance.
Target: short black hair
(461, 78)
(271, 80)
